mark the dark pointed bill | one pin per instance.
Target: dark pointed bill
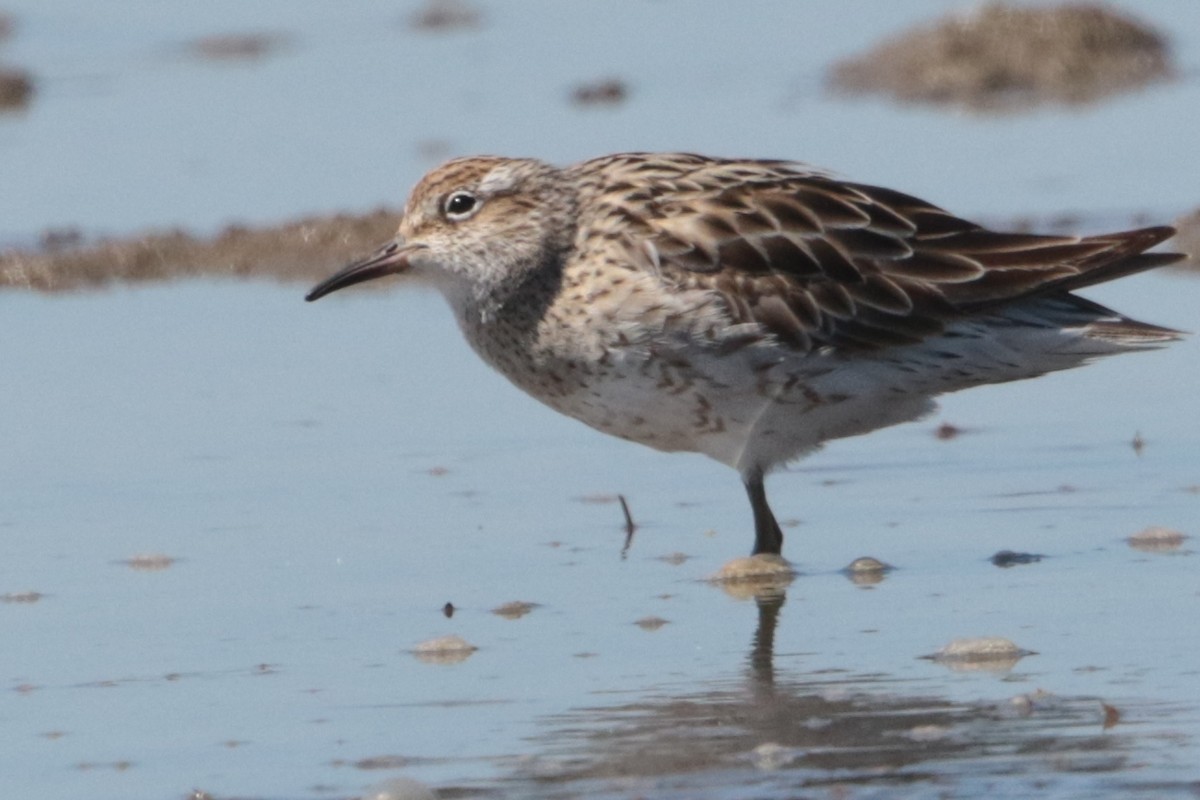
(387, 260)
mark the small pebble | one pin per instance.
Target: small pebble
(16, 89)
(1157, 539)
(754, 577)
(21, 597)
(991, 653)
(867, 564)
(1011, 558)
(444, 650)
(235, 46)
(651, 623)
(149, 562)
(607, 92)
(514, 610)
(754, 568)
(946, 432)
(867, 571)
(445, 15)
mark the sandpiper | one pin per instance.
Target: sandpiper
(749, 310)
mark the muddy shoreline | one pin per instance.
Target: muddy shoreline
(308, 249)
(303, 250)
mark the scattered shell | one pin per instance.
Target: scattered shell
(991, 653)
(1011, 558)
(514, 610)
(1157, 539)
(400, 789)
(444, 650)
(651, 623)
(21, 597)
(606, 92)
(1112, 715)
(1007, 57)
(149, 562)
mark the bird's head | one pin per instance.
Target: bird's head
(475, 227)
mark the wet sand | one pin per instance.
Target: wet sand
(305, 250)
(1001, 57)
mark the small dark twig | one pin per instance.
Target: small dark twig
(630, 525)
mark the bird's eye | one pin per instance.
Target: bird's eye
(459, 205)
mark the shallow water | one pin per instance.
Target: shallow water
(327, 480)
(129, 130)
(324, 479)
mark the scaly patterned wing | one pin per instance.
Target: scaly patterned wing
(821, 262)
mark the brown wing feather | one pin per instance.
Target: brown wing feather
(820, 262)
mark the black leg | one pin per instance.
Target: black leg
(767, 536)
